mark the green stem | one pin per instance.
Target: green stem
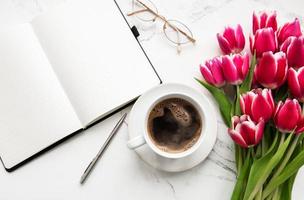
(276, 194)
(282, 137)
(259, 195)
(287, 156)
(237, 108)
(242, 178)
(238, 157)
(270, 196)
(263, 146)
(283, 163)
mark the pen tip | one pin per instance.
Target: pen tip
(82, 180)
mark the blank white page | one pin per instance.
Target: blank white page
(34, 110)
(95, 56)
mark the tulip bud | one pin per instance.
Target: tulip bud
(231, 40)
(289, 29)
(257, 104)
(235, 68)
(245, 132)
(212, 72)
(263, 40)
(294, 50)
(264, 20)
(296, 83)
(287, 115)
(271, 71)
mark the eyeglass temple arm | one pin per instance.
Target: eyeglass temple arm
(136, 12)
(164, 19)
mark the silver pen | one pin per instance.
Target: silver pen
(102, 150)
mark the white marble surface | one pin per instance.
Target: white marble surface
(121, 174)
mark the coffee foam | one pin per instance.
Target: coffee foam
(174, 125)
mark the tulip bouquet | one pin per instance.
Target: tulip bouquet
(264, 112)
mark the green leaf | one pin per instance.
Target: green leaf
(246, 85)
(262, 168)
(288, 172)
(240, 185)
(222, 99)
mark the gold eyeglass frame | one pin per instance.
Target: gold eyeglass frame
(166, 23)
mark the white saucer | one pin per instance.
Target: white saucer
(137, 118)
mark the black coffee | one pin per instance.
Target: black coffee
(174, 125)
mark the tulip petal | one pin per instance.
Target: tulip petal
(300, 126)
(261, 109)
(237, 138)
(238, 63)
(251, 44)
(247, 130)
(289, 29)
(281, 68)
(240, 38)
(255, 23)
(295, 53)
(244, 118)
(263, 19)
(268, 96)
(229, 70)
(229, 34)
(266, 70)
(224, 44)
(288, 116)
(245, 66)
(265, 40)
(277, 109)
(246, 102)
(235, 120)
(207, 74)
(217, 72)
(259, 131)
(301, 80)
(286, 44)
(272, 21)
(293, 83)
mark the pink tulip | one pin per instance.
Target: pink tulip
(264, 20)
(294, 49)
(245, 132)
(231, 40)
(212, 72)
(289, 29)
(263, 40)
(271, 71)
(235, 68)
(296, 83)
(258, 104)
(287, 116)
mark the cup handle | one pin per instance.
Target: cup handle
(136, 142)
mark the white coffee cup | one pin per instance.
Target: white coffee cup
(145, 139)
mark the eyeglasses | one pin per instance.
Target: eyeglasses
(174, 30)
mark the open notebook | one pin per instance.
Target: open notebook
(64, 71)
